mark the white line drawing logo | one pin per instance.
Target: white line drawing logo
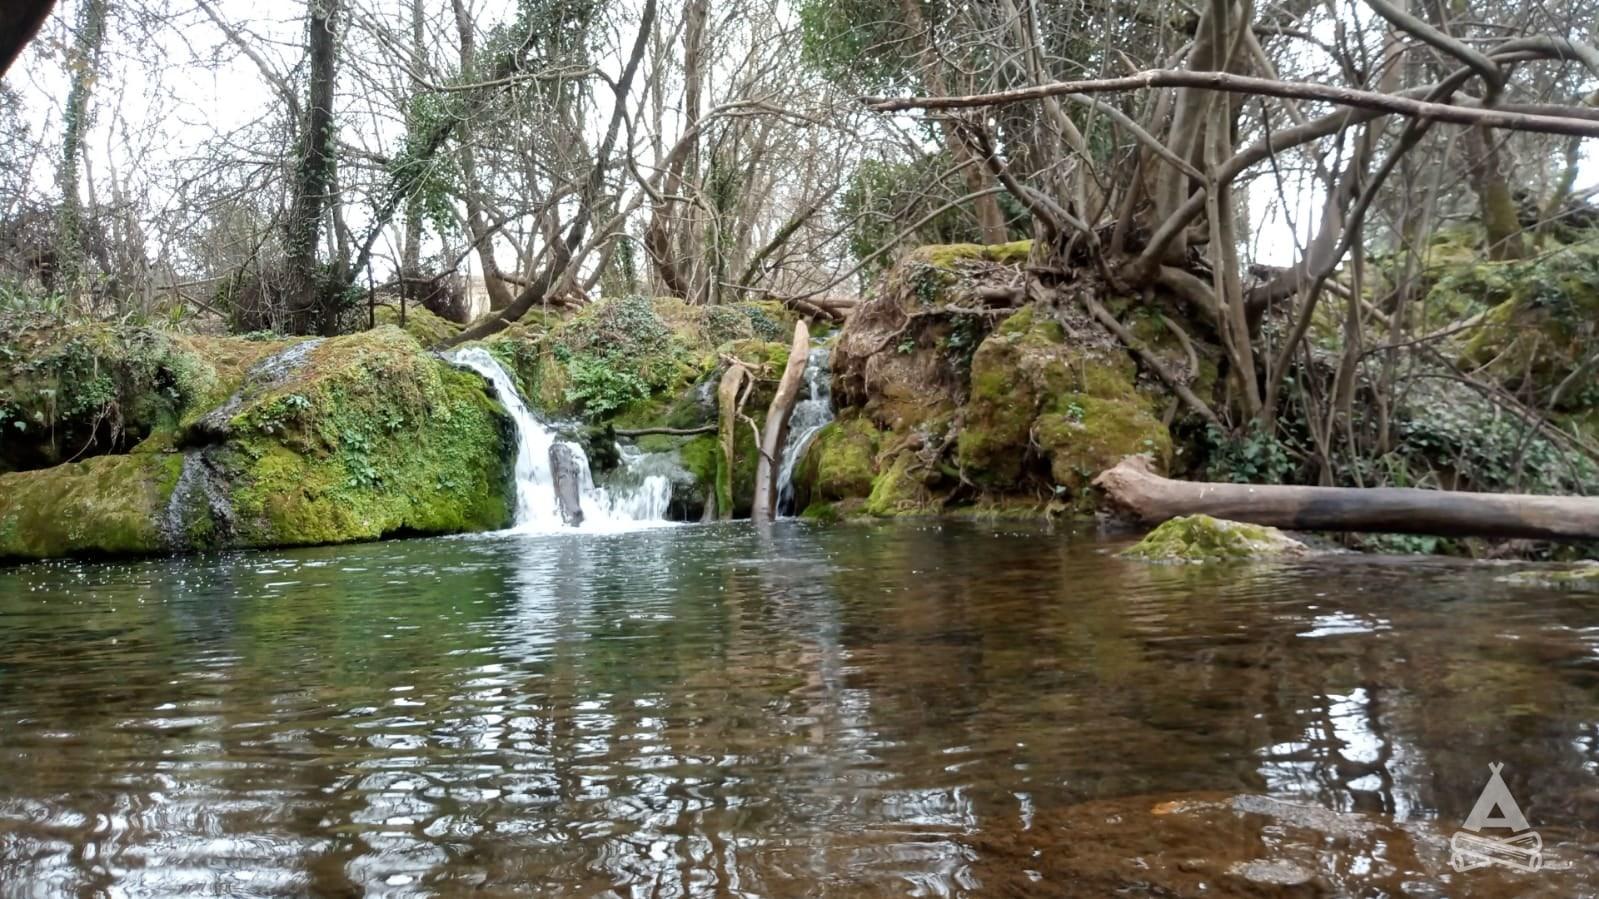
(1520, 850)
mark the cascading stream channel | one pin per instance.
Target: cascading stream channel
(537, 507)
(810, 416)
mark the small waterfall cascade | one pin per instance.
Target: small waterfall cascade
(811, 414)
(642, 501)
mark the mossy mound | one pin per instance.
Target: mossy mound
(351, 438)
(108, 504)
(429, 328)
(1541, 328)
(840, 463)
(623, 359)
(69, 392)
(1201, 538)
(1021, 411)
(904, 354)
(1036, 395)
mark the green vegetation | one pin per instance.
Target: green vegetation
(1201, 538)
(354, 438)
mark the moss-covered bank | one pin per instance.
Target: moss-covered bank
(352, 438)
(951, 403)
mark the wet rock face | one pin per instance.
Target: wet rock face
(955, 393)
(352, 438)
(1201, 538)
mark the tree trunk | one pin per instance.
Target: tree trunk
(775, 433)
(85, 61)
(670, 237)
(314, 171)
(1500, 221)
(1132, 488)
(411, 244)
(990, 219)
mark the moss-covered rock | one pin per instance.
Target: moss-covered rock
(108, 504)
(1583, 578)
(840, 462)
(903, 356)
(1201, 538)
(352, 438)
(1542, 327)
(1037, 395)
(429, 328)
(902, 489)
(69, 392)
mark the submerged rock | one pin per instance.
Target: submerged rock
(1583, 577)
(1201, 538)
(352, 438)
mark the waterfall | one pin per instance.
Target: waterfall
(810, 416)
(643, 502)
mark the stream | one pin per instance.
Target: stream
(922, 709)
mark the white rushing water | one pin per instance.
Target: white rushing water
(810, 416)
(641, 504)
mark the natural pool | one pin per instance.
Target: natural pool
(902, 709)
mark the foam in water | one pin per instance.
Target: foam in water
(810, 416)
(642, 504)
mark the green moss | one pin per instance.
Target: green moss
(840, 462)
(825, 513)
(1087, 434)
(1201, 538)
(109, 504)
(899, 489)
(699, 457)
(946, 256)
(429, 329)
(1536, 336)
(68, 392)
(374, 437)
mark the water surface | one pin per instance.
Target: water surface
(911, 709)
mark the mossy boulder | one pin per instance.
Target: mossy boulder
(839, 465)
(108, 504)
(351, 438)
(903, 356)
(1035, 395)
(1534, 340)
(69, 392)
(1583, 577)
(429, 328)
(1201, 538)
(902, 488)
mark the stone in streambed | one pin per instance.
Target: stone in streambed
(1201, 538)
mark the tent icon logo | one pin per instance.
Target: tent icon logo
(1521, 849)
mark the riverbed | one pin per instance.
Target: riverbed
(912, 709)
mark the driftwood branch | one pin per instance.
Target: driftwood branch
(1132, 488)
(669, 432)
(1271, 87)
(775, 433)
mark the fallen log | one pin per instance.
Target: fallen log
(1132, 488)
(775, 434)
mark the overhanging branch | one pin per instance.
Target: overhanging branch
(1248, 84)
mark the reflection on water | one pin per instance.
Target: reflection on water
(898, 710)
